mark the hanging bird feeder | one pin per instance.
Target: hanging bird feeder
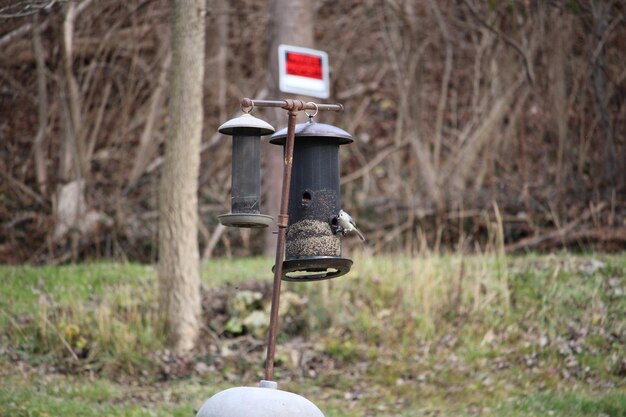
(246, 131)
(307, 232)
(313, 247)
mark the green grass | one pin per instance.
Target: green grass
(104, 314)
(73, 396)
(227, 271)
(432, 335)
(26, 285)
(88, 317)
(62, 396)
(572, 404)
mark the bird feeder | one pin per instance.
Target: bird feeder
(313, 247)
(263, 401)
(246, 131)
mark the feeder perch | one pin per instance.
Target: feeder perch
(313, 248)
(263, 401)
(246, 131)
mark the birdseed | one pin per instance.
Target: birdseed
(312, 238)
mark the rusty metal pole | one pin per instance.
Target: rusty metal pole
(297, 105)
(293, 107)
(283, 221)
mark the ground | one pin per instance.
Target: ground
(484, 335)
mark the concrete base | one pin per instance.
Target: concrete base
(263, 401)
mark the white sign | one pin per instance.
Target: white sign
(303, 71)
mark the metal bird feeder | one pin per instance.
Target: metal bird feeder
(309, 207)
(246, 131)
(313, 247)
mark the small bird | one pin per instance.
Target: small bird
(348, 225)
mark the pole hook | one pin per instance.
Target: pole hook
(247, 109)
(311, 116)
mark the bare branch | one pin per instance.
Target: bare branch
(39, 149)
(372, 163)
(147, 143)
(443, 96)
(21, 8)
(527, 65)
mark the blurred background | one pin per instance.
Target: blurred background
(487, 174)
(474, 121)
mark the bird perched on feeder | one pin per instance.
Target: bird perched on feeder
(347, 224)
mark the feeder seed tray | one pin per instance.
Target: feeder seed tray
(256, 221)
(316, 268)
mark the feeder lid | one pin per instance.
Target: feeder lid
(263, 401)
(246, 120)
(312, 129)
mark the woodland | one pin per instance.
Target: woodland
(476, 124)
(487, 174)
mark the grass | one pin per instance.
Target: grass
(227, 271)
(89, 316)
(433, 335)
(71, 396)
(566, 404)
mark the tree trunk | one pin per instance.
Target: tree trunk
(291, 23)
(601, 12)
(179, 281)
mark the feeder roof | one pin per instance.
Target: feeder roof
(312, 129)
(246, 121)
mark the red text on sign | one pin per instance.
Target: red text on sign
(304, 65)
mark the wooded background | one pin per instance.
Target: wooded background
(477, 124)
